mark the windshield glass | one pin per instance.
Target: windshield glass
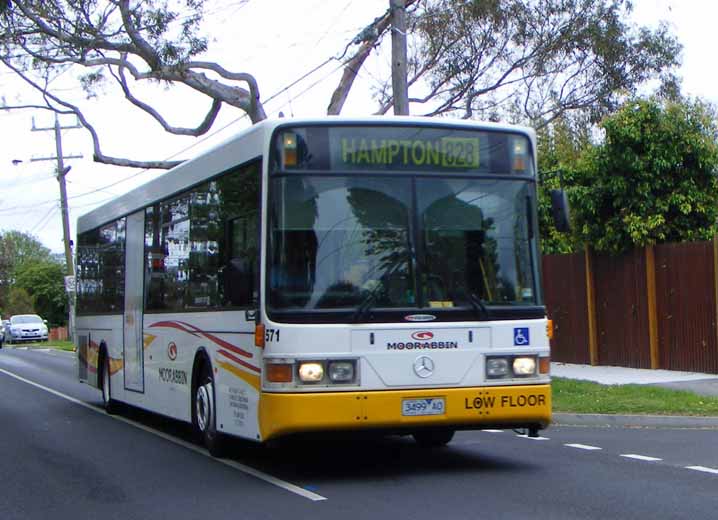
(17, 320)
(475, 242)
(342, 242)
(334, 239)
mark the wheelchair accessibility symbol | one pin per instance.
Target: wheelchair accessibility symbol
(521, 336)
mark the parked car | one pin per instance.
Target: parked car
(2, 331)
(27, 327)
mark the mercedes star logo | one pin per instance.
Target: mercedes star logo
(423, 366)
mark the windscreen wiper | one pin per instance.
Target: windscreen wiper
(479, 306)
(367, 303)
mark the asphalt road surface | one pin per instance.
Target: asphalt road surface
(61, 456)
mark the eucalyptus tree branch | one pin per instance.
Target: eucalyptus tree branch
(201, 129)
(98, 156)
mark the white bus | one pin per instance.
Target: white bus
(318, 275)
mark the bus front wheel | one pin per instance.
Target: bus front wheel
(433, 438)
(205, 415)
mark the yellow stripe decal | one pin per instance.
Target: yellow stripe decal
(147, 340)
(251, 379)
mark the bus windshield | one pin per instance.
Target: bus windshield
(338, 242)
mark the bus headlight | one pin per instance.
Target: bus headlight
(311, 372)
(341, 371)
(524, 366)
(497, 367)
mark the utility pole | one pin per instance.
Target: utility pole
(399, 84)
(62, 171)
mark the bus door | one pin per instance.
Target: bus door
(134, 283)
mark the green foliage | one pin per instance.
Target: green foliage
(18, 302)
(16, 249)
(44, 282)
(560, 146)
(653, 180)
(532, 60)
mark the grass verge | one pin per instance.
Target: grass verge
(59, 345)
(572, 396)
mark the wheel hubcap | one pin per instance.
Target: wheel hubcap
(106, 384)
(204, 406)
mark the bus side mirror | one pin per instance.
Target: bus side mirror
(560, 211)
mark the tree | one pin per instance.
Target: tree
(528, 60)
(18, 302)
(561, 145)
(43, 281)
(653, 180)
(17, 249)
(130, 42)
(532, 60)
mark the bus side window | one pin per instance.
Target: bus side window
(240, 270)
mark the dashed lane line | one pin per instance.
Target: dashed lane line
(524, 436)
(583, 447)
(703, 469)
(640, 457)
(634, 456)
(287, 486)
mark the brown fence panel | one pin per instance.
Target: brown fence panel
(58, 334)
(622, 310)
(686, 307)
(564, 279)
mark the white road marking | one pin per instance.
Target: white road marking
(583, 447)
(493, 431)
(288, 486)
(640, 457)
(703, 469)
(524, 436)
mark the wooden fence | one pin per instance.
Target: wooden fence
(650, 308)
(58, 334)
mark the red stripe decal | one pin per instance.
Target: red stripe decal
(176, 325)
(194, 331)
(228, 346)
(237, 360)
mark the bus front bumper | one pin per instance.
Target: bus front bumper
(464, 408)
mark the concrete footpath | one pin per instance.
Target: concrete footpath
(702, 384)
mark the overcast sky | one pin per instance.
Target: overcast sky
(277, 41)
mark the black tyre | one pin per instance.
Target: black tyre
(111, 406)
(204, 413)
(433, 438)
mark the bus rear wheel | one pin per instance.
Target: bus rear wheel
(205, 415)
(433, 438)
(111, 406)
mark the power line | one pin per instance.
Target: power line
(242, 117)
(44, 220)
(234, 121)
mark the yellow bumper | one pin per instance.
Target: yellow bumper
(466, 408)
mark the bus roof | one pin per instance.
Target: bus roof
(245, 146)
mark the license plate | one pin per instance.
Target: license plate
(426, 406)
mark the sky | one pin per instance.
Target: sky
(279, 42)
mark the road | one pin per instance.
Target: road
(61, 456)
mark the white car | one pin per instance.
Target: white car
(27, 327)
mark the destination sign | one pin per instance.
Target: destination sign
(446, 152)
(394, 148)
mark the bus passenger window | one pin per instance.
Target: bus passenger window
(240, 270)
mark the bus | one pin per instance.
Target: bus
(324, 275)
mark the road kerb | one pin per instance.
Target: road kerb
(636, 421)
